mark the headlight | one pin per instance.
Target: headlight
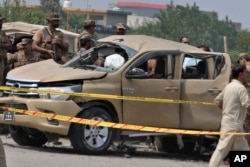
(68, 89)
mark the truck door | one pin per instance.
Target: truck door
(148, 82)
(202, 81)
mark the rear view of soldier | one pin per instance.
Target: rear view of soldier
(89, 30)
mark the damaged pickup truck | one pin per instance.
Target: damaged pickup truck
(119, 65)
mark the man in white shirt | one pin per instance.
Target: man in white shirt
(235, 103)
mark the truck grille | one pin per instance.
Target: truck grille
(21, 84)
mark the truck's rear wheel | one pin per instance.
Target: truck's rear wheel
(27, 136)
(88, 139)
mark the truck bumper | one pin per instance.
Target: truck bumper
(67, 108)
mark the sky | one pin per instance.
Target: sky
(237, 11)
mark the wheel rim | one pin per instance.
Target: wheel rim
(96, 136)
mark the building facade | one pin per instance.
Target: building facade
(141, 9)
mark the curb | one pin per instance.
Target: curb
(2, 155)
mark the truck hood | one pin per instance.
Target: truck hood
(49, 71)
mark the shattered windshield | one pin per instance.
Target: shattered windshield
(105, 57)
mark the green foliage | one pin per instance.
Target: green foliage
(242, 44)
(177, 21)
(7, 9)
(243, 41)
(15, 10)
(234, 55)
(76, 23)
(50, 6)
(172, 23)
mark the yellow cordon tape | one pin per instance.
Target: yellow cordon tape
(118, 125)
(112, 124)
(104, 96)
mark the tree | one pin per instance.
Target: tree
(76, 23)
(15, 10)
(177, 21)
(243, 41)
(50, 6)
(8, 11)
(242, 44)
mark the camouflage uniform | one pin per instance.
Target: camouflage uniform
(31, 54)
(3, 52)
(20, 58)
(44, 36)
(86, 34)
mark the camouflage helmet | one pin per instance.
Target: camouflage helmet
(120, 26)
(89, 23)
(243, 55)
(53, 17)
(20, 45)
(26, 41)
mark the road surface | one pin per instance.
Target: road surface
(64, 156)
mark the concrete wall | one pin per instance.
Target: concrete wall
(137, 21)
(114, 17)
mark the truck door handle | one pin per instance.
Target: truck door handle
(170, 88)
(215, 90)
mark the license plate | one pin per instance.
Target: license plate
(8, 115)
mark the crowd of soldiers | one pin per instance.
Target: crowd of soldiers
(47, 43)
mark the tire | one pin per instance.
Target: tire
(84, 137)
(27, 136)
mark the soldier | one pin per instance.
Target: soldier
(50, 42)
(5, 45)
(89, 30)
(184, 39)
(23, 56)
(85, 44)
(120, 29)
(29, 52)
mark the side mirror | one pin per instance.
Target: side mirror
(136, 73)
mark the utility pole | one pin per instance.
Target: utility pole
(225, 44)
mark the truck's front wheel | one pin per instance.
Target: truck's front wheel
(88, 139)
(27, 136)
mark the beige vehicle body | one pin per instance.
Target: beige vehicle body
(176, 79)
